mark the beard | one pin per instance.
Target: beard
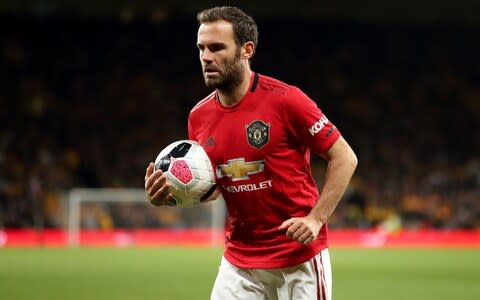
(229, 77)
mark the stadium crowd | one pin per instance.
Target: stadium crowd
(89, 102)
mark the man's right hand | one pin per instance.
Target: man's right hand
(157, 187)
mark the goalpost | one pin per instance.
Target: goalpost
(211, 215)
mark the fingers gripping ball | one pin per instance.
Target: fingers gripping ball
(189, 172)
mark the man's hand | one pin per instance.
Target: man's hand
(303, 230)
(156, 187)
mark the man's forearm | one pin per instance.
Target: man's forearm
(341, 165)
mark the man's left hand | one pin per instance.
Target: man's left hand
(303, 229)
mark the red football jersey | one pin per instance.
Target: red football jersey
(260, 149)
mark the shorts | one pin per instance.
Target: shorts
(306, 281)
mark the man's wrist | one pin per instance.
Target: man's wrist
(319, 217)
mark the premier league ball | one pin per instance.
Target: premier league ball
(189, 172)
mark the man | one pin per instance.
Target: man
(259, 132)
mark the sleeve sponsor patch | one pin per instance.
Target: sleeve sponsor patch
(318, 126)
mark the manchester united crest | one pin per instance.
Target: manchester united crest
(258, 133)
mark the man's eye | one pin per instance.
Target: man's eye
(215, 48)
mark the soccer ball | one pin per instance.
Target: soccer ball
(189, 172)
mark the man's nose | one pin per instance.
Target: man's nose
(207, 55)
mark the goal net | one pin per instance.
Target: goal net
(108, 209)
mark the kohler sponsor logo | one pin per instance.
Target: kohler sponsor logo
(318, 125)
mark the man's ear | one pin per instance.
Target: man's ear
(247, 50)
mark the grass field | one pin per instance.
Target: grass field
(188, 273)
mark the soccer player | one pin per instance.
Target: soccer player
(259, 132)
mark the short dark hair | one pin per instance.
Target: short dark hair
(244, 27)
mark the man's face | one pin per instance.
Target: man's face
(219, 55)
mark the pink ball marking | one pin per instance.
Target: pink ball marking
(181, 171)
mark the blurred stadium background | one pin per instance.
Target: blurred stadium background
(91, 91)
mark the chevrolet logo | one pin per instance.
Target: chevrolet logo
(238, 169)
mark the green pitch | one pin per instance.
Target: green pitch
(188, 273)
